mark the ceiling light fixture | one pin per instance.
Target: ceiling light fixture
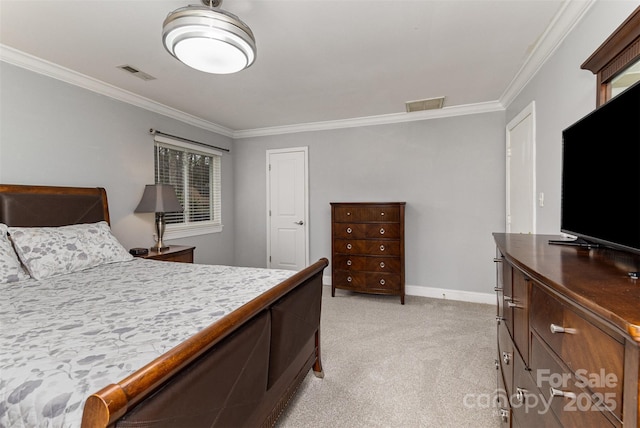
(209, 39)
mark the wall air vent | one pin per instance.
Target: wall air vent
(135, 72)
(428, 104)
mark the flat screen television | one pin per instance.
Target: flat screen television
(601, 175)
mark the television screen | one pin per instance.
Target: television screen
(601, 174)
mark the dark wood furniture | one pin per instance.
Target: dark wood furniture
(242, 370)
(568, 334)
(175, 253)
(367, 247)
(616, 54)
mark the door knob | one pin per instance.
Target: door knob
(299, 222)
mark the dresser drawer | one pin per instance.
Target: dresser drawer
(565, 393)
(528, 408)
(383, 281)
(350, 279)
(502, 403)
(367, 230)
(369, 247)
(367, 263)
(354, 213)
(366, 280)
(505, 355)
(518, 306)
(588, 352)
(546, 308)
(506, 272)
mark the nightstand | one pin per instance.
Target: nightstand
(175, 253)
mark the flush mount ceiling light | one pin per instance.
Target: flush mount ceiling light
(209, 39)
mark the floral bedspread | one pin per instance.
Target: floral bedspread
(66, 337)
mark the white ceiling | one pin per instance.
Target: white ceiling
(319, 61)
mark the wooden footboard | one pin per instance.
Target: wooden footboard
(240, 371)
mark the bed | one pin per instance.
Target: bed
(226, 346)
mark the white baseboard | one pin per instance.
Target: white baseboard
(441, 293)
(446, 294)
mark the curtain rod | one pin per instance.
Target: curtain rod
(156, 132)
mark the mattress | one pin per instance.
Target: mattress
(66, 337)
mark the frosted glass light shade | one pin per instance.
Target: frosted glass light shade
(208, 39)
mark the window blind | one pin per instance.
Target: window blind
(195, 174)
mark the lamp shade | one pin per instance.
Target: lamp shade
(209, 39)
(159, 198)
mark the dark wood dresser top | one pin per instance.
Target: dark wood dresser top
(597, 279)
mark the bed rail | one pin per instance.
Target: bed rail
(112, 402)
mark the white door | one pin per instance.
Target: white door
(521, 167)
(287, 209)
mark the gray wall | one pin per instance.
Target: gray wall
(449, 171)
(563, 94)
(54, 133)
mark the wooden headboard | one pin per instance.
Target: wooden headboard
(31, 206)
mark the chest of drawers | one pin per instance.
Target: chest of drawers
(367, 246)
(568, 335)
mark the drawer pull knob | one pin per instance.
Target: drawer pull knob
(506, 357)
(382, 265)
(349, 279)
(381, 247)
(520, 394)
(500, 319)
(348, 262)
(349, 246)
(349, 213)
(504, 415)
(497, 364)
(559, 329)
(382, 213)
(560, 393)
(497, 260)
(512, 304)
(382, 282)
(349, 230)
(496, 289)
(382, 231)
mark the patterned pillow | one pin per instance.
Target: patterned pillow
(48, 251)
(10, 268)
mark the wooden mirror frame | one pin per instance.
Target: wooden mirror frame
(616, 54)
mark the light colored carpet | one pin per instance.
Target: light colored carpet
(429, 363)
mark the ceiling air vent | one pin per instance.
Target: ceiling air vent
(428, 104)
(134, 71)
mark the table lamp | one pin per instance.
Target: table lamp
(159, 199)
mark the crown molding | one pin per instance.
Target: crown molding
(570, 13)
(568, 16)
(46, 68)
(386, 119)
(55, 71)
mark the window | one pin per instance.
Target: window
(194, 172)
